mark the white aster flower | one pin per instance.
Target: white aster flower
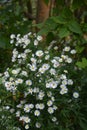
(63, 91)
(37, 106)
(62, 86)
(49, 93)
(49, 103)
(64, 56)
(15, 52)
(18, 35)
(47, 57)
(69, 60)
(15, 72)
(30, 90)
(48, 85)
(52, 71)
(38, 125)
(67, 48)
(56, 48)
(11, 79)
(29, 34)
(70, 82)
(60, 60)
(39, 38)
(6, 74)
(19, 106)
(27, 119)
(18, 114)
(53, 98)
(28, 82)
(73, 51)
(46, 52)
(41, 95)
(35, 42)
(41, 106)
(24, 73)
(27, 127)
(45, 66)
(55, 107)
(12, 110)
(23, 55)
(50, 110)
(65, 71)
(63, 76)
(12, 36)
(54, 119)
(64, 82)
(11, 41)
(31, 106)
(33, 67)
(39, 53)
(75, 94)
(27, 108)
(19, 81)
(21, 118)
(54, 84)
(36, 112)
(41, 70)
(56, 64)
(8, 85)
(7, 107)
(36, 90)
(27, 51)
(27, 41)
(33, 60)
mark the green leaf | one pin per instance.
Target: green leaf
(40, 25)
(64, 17)
(43, 31)
(59, 19)
(82, 64)
(48, 26)
(74, 27)
(63, 32)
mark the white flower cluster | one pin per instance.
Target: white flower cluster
(40, 77)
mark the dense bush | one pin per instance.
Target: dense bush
(44, 87)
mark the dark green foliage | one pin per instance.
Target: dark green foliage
(74, 27)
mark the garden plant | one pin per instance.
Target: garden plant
(43, 82)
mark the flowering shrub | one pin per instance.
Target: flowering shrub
(43, 89)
